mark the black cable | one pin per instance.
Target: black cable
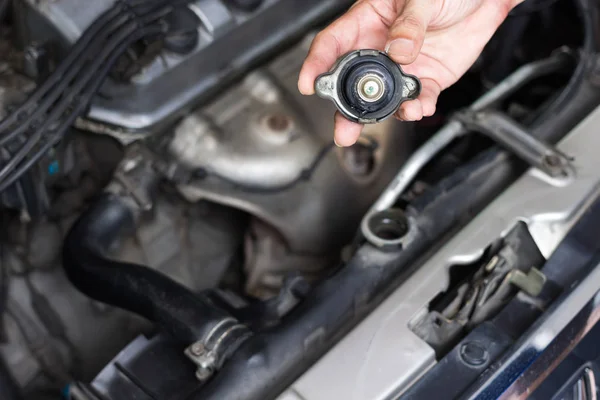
(78, 67)
(65, 102)
(82, 103)
(140, 13)
(146, 12)
(123, 36)
(57, 76)
(105, 24)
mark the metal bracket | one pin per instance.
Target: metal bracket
(515, 138)
(531, 282)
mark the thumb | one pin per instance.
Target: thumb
(407, 33)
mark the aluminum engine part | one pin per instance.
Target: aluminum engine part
(230, 41)
(549, 210)
(264, 148)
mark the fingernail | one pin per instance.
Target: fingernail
(401, 48)
(336, 143)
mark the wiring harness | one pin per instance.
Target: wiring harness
(40, 123)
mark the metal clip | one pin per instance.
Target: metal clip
(531, 282)
(210, 352)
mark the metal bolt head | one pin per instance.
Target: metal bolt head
(197, 349)
(203, 374)
(474, 354)
(371, 88)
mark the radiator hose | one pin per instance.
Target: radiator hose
(189, 317)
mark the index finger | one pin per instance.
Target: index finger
(343, 36)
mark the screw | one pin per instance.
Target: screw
(371, 88)
(474, 354)
(197, 349)
(552, 160)
(203, 374)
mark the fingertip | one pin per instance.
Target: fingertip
(428, 108)
(319, 60)
(346, 132)
(402, 50)
(411, 111)
(429, 95)
(306, 82)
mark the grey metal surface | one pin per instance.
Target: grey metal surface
(446, 135)
(381, 357)
(257, 139)
(230, 42)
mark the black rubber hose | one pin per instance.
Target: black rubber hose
(141, 290)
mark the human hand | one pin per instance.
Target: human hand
(435, 40)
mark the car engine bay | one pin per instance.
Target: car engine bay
(177, 222)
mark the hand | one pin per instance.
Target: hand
(436, 40)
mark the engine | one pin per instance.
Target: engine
(166, 193)
(244, 192)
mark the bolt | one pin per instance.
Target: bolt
(203, 374)
(474, 354)
(552, 160)
(371, 88)
(197, 349)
